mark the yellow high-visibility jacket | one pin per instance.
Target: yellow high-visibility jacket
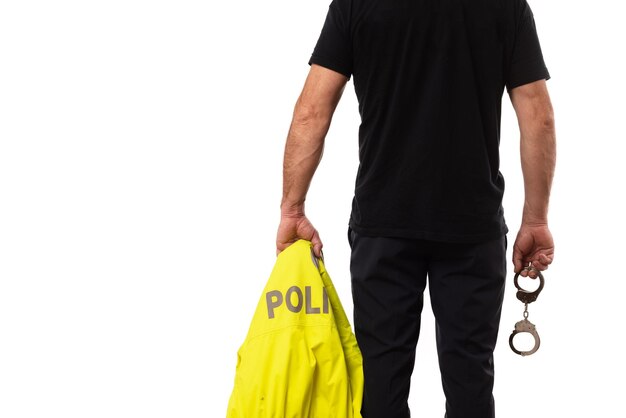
(300, 358)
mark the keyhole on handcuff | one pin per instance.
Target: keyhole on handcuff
(528, 284)
(524, 341)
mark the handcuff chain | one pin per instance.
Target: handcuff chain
(526, 313)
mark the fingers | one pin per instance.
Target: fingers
(282, 246)
(533, 250)
(518, 261)
(528, 267)
(292, 229)
(317, 245)
(284, 241)
(541, 261)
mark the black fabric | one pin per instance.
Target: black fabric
(466, 284)
(429, 76)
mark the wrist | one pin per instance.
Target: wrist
(534, 222)
(535, 216)
(291, 209)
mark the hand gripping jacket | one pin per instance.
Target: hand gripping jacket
(300, 358)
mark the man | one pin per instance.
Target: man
(429, 77)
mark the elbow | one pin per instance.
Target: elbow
(307, 114)
(539, 129)
(547, 119)
(541, 121)
(546, 124)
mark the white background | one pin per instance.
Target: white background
(140, 179)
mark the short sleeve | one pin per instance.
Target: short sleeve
(334, 46)
(526, 64)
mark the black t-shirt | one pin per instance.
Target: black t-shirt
(429, 76)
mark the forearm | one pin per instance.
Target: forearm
(303, 152)
(534, 243)
(537, 148)
(538, 157)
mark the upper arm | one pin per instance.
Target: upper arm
(333, 49)
(525, 62)
(532, 106)
(321, 93)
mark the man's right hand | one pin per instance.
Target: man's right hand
(534, 245)
(293, 228)
(534, 242)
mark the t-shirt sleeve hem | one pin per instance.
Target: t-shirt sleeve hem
(528, 77)
(331, 65)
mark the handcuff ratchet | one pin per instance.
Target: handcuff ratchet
(524, 295)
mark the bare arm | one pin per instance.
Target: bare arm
(534, 241)
(303, 151)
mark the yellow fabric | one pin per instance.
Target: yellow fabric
(300, 358)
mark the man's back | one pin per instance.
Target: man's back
(429, 77)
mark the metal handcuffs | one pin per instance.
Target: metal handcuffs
(525, 325)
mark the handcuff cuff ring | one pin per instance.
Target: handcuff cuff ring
(525, 326)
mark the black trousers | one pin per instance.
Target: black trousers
(466, 284)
